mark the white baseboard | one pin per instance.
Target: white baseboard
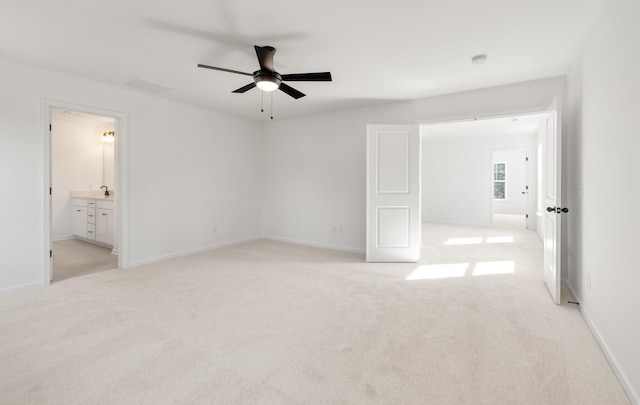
(156, 259)
(21, 287)
(315, 244)
(62, 237)
(628, 388)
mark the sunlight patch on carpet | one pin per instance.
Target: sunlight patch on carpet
(435, 271)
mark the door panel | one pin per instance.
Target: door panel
(394, 230)
(393, 193)
(552, 193)
(393, 163)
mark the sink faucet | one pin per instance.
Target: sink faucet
(106, 190)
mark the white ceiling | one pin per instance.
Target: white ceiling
(377, 51)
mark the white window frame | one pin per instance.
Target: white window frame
(494, 181)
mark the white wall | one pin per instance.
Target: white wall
(314, 167)
(77, 164)
(603, 185)
(456, 175)
(189, 169)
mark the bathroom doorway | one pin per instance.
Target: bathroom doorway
(84, 199)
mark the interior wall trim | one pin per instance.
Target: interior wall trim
(315, 244)
(155, 259)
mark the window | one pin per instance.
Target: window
(499, 181)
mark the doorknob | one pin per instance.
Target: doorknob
(557, 210)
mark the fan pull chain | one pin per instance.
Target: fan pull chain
(262, 105)
(271, 105)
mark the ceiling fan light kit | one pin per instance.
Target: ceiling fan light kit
(267, 82)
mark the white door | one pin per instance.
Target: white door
(552, 198)
(393, 193)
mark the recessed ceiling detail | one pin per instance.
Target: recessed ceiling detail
(479, 59)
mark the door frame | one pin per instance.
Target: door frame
(529, 219)
(121, 178)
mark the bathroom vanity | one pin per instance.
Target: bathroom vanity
(92, 218)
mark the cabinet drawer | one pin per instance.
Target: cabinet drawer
(105, 205)
(91, 215)
(79, 202)
(91, 231)
(91, 203)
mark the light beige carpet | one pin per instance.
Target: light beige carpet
(273, 323)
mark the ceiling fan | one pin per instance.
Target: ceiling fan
(267, 79)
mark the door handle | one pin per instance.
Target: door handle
(557, 210)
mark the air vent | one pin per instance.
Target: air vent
(149, 85)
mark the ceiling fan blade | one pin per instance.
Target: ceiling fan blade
(245, 88)
(291, 91)
(224, 70)
(265, 57)
(308, 77)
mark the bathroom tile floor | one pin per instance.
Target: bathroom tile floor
(73, 258)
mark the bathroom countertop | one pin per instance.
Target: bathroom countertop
(92, 194)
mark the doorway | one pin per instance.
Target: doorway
(458, 183)
(82, 173)
(451, 182)
(83, 212)
(510, 188)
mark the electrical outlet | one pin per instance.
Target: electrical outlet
(589, 281)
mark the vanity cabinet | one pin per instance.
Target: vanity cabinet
(79, 217)
(92, 220)
(104, 222)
